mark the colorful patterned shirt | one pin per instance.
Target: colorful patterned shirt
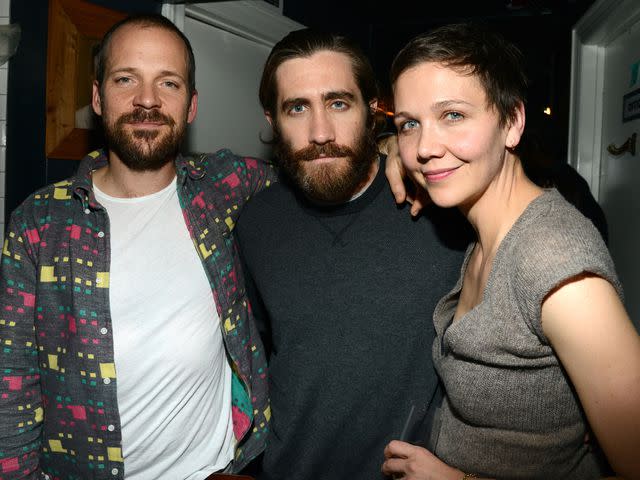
(58, 404)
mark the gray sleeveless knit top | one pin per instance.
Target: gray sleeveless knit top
(510, 410)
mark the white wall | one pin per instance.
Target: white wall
(227, 77)
(231, 41)
(4, 20)
(605, 43)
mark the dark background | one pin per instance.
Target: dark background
(541, 28)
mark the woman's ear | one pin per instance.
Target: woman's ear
(516, 127)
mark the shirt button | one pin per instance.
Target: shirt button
(114, 471)
(87, 211)
(103, 330)
(100, 234)
(106, 381)
(111, 428)
(47, 477)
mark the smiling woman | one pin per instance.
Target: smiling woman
(449, 114)
(536, 313)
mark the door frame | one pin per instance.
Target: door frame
(599, 26)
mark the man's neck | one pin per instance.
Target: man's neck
(373, 171)
(118, 180)
(357, 191)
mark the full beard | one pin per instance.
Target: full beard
(142, 150)
(329, 183)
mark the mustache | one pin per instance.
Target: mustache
(141, 115)
(313, 151)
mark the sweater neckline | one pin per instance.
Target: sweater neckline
(530, 212)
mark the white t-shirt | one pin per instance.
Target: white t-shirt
(173, 379)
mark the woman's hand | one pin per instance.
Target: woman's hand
(410, 462)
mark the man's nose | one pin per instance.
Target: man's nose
(322, 128)
(147, 96)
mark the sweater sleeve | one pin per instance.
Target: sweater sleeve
(557, 244)
(21, 410)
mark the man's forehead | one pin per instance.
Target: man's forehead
(133, 38)
(319, 74)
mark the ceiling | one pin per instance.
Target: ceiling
(426, 12)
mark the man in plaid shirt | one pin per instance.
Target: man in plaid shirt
(122, 347)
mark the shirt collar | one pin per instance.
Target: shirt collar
(186, 166)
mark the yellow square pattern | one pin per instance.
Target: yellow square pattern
(56, 446)
(47, 274)
(107, 370)
(115, 454)
(102, 280)
(53, 362)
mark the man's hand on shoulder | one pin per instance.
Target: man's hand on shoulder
(403, 188)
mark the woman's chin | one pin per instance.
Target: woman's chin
(443, 199)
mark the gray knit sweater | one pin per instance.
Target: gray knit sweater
(511, 411)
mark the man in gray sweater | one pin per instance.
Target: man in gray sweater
(343, 283)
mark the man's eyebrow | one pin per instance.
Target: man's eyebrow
(169, 73)
(133, 70)
(123, 70)
(333, 95)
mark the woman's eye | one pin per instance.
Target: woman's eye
(454, 116)
(408, 125)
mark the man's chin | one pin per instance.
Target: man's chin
(325, 169)
(145, 156)
(326, 161)
(146, 164)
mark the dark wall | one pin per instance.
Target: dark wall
(26, 163)
(543, 34)
(27, 166)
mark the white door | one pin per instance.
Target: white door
(606, 64)
(231, 41)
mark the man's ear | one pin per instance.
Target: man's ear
(267, 115)
(373, 105)
(96, 102)
(193, 107)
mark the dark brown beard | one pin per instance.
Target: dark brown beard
(137, 150)
(328, 183)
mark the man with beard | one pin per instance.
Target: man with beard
(342, 282)
(126, 352)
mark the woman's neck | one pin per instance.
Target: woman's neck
(495, 211)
